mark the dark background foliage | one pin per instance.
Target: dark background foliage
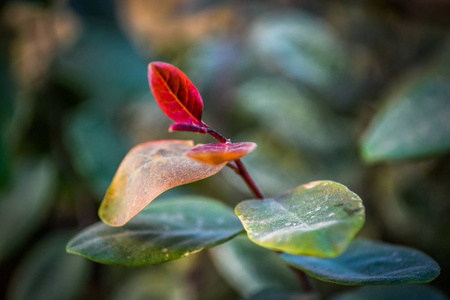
(306, 80)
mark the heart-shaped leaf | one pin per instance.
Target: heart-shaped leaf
(319, 218)
(146, 171)
(175, 93)
(169, 230)
(216, 154)
(369, 262)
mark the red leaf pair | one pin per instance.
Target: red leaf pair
(177, 96)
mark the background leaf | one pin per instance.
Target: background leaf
(415, 123)
(368, 262)
(146, 171)
(24, 206)
(319, 218)
(48, 273)
(165, 231)
(251, 269)
(410, 292)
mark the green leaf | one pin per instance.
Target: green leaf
(95, 146)
(163, 232)
(396, 292)
(290, 111)
(103, 64)
(282, 295)
(368, 262)
(25, 205)
(319, 218)
(48, 273)
(414, 124)
(251, 269)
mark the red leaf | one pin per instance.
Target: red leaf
(175, 93)
(187, 127)
(216, 154)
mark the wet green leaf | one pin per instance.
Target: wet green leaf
(319, 218)
(48, 273)
(368, 262)
(25, 205)
(251, 269)
(163, 232)
(396, 292)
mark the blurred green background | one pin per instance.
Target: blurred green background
(352, 91)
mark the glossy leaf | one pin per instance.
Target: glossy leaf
(24, 206)
(251, 269)
(175, 93)
(49, 273)
(370, 262)
(319, 218)
(167, 230)
(414, 125)
(216, 154)
(146, 171)
(395, 292)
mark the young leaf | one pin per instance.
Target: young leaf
(175, 93)
(168, 230)
(216, 154)
(146, 171)
(370, 262)
(319, 218)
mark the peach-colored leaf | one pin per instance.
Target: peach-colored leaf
(148, 170)
(217, 154)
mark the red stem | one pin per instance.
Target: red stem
(241, 170)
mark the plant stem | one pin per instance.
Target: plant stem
(241, 170)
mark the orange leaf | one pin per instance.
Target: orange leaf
(216, 154)
(148, 170)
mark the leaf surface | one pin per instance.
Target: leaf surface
(165, 231)
(319, 218)
(216, 154)
(175, 93)
(146, 171)
(369, 262)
